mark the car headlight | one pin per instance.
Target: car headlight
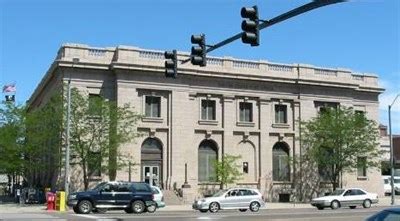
(202, 201)
(72, 197)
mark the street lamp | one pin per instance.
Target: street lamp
(391, 152)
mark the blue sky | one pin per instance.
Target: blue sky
(362, 35)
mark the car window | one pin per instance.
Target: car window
(109, 188)
(396, 181)
(141, 187)
(99, 186)
(336, 193)
(232, 193)
(348, 193)
(359, 192)
(123, 188)
(392, 217)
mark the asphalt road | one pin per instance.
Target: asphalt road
(342, 214)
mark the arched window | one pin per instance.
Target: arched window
(208, 154)
(281, 168)
(151, 149)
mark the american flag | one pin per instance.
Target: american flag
(9, 88)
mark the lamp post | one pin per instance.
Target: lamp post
(391, 152)
(67, 150)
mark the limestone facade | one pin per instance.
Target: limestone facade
(131, 75)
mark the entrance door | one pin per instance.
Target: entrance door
(151, 175)
(152, 161)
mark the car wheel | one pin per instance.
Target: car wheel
(352, 207)
(85, 206)
(128, 210)
(214, 207)
(203, 210)
(138, 206)
(254, 206)
(335, 204)
(99, 210)
(76, 210)
(320, 208)
(151, 208)
(242, 210)
(367, 204)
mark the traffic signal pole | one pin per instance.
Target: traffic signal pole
(267, 23)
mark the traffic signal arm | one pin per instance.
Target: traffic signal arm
(266, 23)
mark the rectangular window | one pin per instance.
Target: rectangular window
(95, 105)
(94, 164)
(208, 110)
(152, 108)
(246, 112)
(245, 167)
(280, 114)
(359, 113)
(361, 166)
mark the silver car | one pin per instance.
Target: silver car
(234, 198)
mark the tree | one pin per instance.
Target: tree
(29, 140)
(340, 140)
(12, 139)
(227, 170)
(97, 128)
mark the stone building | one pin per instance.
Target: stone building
(231, 106)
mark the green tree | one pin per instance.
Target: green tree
(340, 140)
(97, 128)
(227, 170)
(25, 138)
(44, 140)
(12, 139)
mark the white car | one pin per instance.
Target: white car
(387, 185)
(234, 198)
(351, 197)
(158, 196)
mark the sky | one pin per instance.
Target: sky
(361, 35)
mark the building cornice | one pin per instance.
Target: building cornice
(133, 58)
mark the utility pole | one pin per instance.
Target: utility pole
(67, 176)
(391, 153)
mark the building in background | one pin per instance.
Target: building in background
(231, 106)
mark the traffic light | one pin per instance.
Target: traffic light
(171, 64)
(198, 55)
(251, 32)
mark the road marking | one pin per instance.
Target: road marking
(319, 218)
(207, 218)
(87, 216)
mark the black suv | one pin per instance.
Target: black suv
(133, 197)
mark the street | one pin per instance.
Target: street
(265, 214)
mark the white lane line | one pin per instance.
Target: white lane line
(87, 216)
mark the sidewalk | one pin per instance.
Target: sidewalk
(40, 208)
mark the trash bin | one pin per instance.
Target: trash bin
(51, 201)
(60, 201)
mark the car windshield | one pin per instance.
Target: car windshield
(336, 193)
(219, 193)
(99, 186)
